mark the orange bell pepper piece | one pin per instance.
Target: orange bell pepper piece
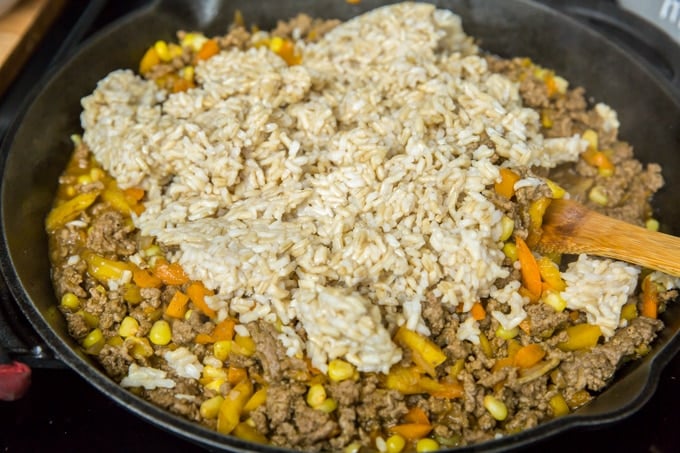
(170, 273)
(531, 275)
(412, 431)
(197, 292)
(506, 186)
(145, 279)
(477, 311)
(208, 49)
(650, 300)
(529, 355)
(177, 307)
(416, 415)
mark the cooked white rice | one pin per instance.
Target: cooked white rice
(334, 193)
(600, 287)
(149, 378)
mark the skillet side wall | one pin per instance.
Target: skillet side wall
(40, 146)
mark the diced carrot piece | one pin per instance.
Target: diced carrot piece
(477, 311)
(224, 330)
(178, 305)
(506, 186)
(412, 431)
(531, 275)
(203, 338)
(145, 279)
(650, 300)
(170, 273)
(529, 355)
(416, 415)
(208, 49)
(197, 292)
(502, 363)
(236, 375)
(133, 194)
(447, 390)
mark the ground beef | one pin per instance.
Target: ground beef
(69, 278)
(544, 320)
(115, 360)
(109, 234)
(594, 369)
(184, 399)
(433, 313)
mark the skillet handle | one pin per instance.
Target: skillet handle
(17, 338)
(656, 50)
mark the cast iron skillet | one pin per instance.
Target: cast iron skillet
(37, 148)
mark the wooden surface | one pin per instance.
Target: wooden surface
(20, 30)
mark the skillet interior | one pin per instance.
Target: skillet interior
(38, 147)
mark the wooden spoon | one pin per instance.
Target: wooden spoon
(569, 227)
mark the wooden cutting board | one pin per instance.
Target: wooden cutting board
(20, 31)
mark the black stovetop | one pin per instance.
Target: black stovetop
(63, 412)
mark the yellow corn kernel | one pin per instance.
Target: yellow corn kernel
(128, 327)
(139, 348)
(210, 373)
(581, 336)
(275, 44)
(555, 300)
(211, 407)
(215, 385)
(84, 180)
(316, 395)
(598, 195)
(559, 405)
(160, 333)
(629, 312)
(426, 445)
(221, 349)
(590, 136)
(506, 334)
(232, 406)
(115, 341)
(64, 213)
(339, 370)
(354, 447)
(255, 401)
(70, 301)
(97, 174)
(188, 73)
(556, 189)
(94, 341)
(496, 407)
(652, 225)
(395, 443)
(243, 345)
(328, 405)
(193, 40)
(510, 250)
(507, 227)
(91, 320)
(162, 51)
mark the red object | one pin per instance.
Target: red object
(15, 379)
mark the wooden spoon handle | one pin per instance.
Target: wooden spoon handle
(571, 228)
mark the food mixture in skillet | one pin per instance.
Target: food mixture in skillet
(322, 237)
